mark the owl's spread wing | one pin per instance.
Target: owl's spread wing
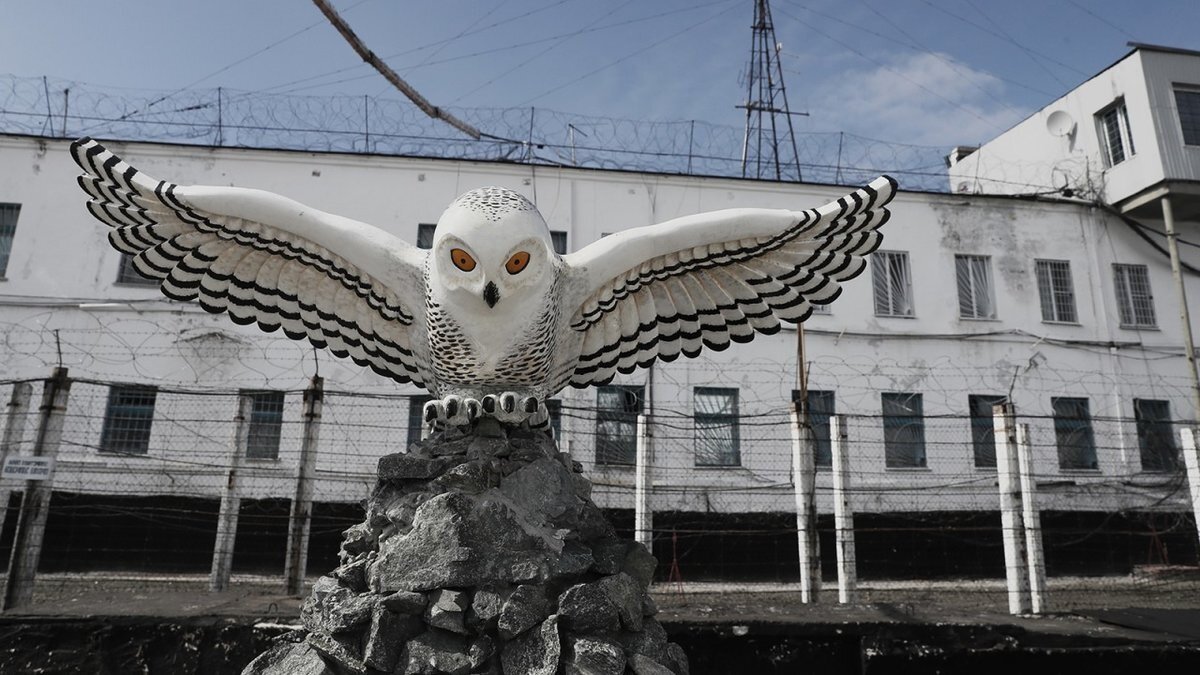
(263, 258)
(711, 279)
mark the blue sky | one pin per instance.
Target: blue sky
(924, 72)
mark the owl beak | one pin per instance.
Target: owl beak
(491, 294)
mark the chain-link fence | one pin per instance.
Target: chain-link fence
(141, 473)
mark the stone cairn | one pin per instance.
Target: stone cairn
(481, 552)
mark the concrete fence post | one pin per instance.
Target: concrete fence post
(14, 432)
(1191, 460)
(35, 500)
(643, 516)
(804, 478)
(843, 512)
(1015, 565)
(300, 516)
(231, 500)
(1032, 520)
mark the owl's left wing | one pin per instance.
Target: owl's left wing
(266, 259)
(711, 279)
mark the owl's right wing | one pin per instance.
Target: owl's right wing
(263, 258)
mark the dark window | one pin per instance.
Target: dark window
(266, 423)
(127, 420)
(126, 274)
(558, 240)
(1156, 439)
(1056, 291)
(425, 235)
(1187, 101)
(554, 407)
(715, 420)
(617, 409)
(903, 430)
(1073, 433)
(8, 229)
(820, 408)
(983, 428)
(416, 408)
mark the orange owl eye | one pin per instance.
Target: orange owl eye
(517, 262)
(462, 260)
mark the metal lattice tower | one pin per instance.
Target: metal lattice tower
(769, 149)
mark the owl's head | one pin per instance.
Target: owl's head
(492, 244)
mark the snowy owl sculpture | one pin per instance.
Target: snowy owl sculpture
(490, 319)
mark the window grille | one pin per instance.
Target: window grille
(265, 424)
(976, 299)
(617, 409)
(1135, 303)
(1112, 123)
(8, 229)
(1187, 102)
(1073, 433)
(716, 427)
(128, 419)
(1056, 291)
(126, 274)
(1156, 441)
(892, 282)
(903, 430)
(983, 428)
(425, 235)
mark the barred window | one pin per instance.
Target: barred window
(976, 299)
(1135, 303)
(416, 408)
(265, 424)
(558, 240)
(903, 430)
(983, 428)
(1187, 102)
(1073, 433)
(8, 229)
(716, 426)
(425, 234)
(1112, 125)
(126, 274)
(617, 410)
(127, 420)
(892, 283)
(1056, 291)
(821, 406)
(1155, 438)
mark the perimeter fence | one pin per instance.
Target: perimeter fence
(220, 117)
(150, 485)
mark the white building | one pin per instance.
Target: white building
(1057, 303)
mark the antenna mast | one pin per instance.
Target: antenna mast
(768, 151)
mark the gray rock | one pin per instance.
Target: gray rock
(643, 665)
(289, 658)
(623, 593)
(639, 564)
(344, 650)
(353, 574)
(435, 653)
(472, 477)
(593, 656)
(481, 651)
(536, 652)
(574, 561)
(677, 659)
(486, 605)
(386, 635)
(649, 607)
(356, 540)
(609, 554)
(542, 488)
(404, 602)
(462, 541)
(585, 608)
(408, 467)
(650, 642)
(524, 609)
(333, 608)
(448, 610)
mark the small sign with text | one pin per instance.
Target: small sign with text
(27, 468)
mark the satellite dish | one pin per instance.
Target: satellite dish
(1060, 124)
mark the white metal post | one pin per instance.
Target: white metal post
(231, 501)
(14, 432)
(35, 501)
(1032, 520)
(643, 517)
(1191, 459)
(1015, 567)
(804, 478)
(843, 512)
(300, 517)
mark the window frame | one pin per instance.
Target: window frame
(724, 457)
(1068, 425)
(1120, 116)
(8, 233)
(1048, 291)
(619, 448)
(983, 428)
(912, 422)
(559, 241)
(1128, 297)
(1189, 125)
(886, 305)
(127, 275)
(425, 231)
(970, 264)
(264, 428)
(133, 415)
(1157, 450)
